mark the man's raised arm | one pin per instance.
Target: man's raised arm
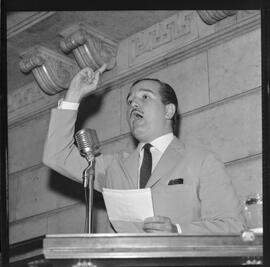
(60, 153)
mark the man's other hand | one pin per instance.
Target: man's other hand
(158, 224)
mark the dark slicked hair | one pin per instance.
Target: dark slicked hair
(168, 96)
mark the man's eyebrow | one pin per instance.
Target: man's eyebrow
(141, 90)
(146, 90)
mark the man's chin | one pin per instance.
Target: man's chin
(138, 134)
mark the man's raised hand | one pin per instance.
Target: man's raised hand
(83, 83)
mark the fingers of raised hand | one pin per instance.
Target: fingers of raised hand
(87, 75)
(98, 73)
(102, 68)
(90, 77)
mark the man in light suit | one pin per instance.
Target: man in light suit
(191, 191)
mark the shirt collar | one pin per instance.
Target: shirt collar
(160, 143)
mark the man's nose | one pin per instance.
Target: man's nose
(135, 103)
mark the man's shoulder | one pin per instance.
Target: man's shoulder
(196, 147)
(197, 150)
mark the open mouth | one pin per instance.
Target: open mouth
(136, 114)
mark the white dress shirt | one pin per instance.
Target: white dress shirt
(159, 145)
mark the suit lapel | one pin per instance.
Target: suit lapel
(130, 166)
(172, 156)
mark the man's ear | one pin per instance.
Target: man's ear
(170, 110)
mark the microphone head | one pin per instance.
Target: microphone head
(88, 143)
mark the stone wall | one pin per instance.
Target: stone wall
(216, 73)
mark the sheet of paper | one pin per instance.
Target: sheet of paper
(128, 205)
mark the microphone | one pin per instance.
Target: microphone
(88, 143)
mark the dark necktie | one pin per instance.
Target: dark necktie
(146, 167)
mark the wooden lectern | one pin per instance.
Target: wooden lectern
(102, 250)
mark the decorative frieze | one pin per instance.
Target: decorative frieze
(27, 101)
(52, 70)
(212, 16)
(176, 31)
(90, 47)
(26, 95)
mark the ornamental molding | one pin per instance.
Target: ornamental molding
(20, 21)
(52, 71)
(246, 21)
(26, 95)
(27, 102)
(90, 47)
(213, 16)
(175, 31)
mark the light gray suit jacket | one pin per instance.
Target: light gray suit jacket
(205, 203)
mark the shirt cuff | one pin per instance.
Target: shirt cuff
(67, 105)
(178, 228)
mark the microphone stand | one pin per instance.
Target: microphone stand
(88, 146)
(88, 184)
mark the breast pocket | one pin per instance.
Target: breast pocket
(173, 201)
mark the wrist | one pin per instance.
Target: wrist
(73, 97)
(67, 105)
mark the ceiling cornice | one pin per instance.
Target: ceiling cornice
(20, 21)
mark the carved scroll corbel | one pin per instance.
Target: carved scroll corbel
(212, 16)
(52, 71)
(90, 47)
